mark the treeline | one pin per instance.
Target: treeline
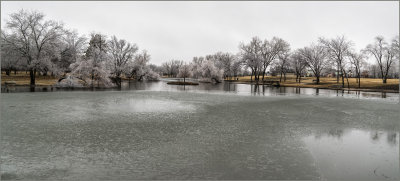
(333, 57)
(31, 43)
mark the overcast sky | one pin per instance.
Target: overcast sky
(182, 30)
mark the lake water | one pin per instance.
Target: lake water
(226, 131)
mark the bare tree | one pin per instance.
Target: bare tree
(251, 55)
(283, 65)
(384, 55)
(357, 60)
(32, 37)
(121, 52)
(236, 67)
(271, 50)
(338, 48)
(316, 59)
(298, 64)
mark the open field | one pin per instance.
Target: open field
(22, 78)
(330, 83)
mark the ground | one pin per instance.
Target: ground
(23, 78)
(369, 84)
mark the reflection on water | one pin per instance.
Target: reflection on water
(243, 89)
(356, 154)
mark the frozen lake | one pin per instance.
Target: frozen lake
(226, 131)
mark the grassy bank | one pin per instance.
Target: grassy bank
(367, 84)
(23, 78)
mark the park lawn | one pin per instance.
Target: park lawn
(330, 83)
(23, 78)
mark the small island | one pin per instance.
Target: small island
(182, 83)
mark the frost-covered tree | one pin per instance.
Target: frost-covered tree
(93, 69)
(224, 61)
(93, 66)
(210, 73)
(139, 68)
(10, 59)
(98, 42)
(33, 37)
(171, 68)
(185, 71)
(196, 64)
(72, 48)
(122, 53)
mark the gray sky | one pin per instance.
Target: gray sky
(182, 30)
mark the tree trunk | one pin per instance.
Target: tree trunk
(32, 73)
(342, 77)
(280, 79)
(317, 79)
(15, 71)
(384, 80)
(184, 80)
(359, 81)
(284, 76)
(118, 81)
(8, 72)
(263, 74)
(337, 74)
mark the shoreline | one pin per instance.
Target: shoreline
(3, 86)
(321, 87)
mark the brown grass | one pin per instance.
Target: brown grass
(23, 78)
(330, 83)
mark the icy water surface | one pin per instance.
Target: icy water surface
(224, 87)
(144, 134)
